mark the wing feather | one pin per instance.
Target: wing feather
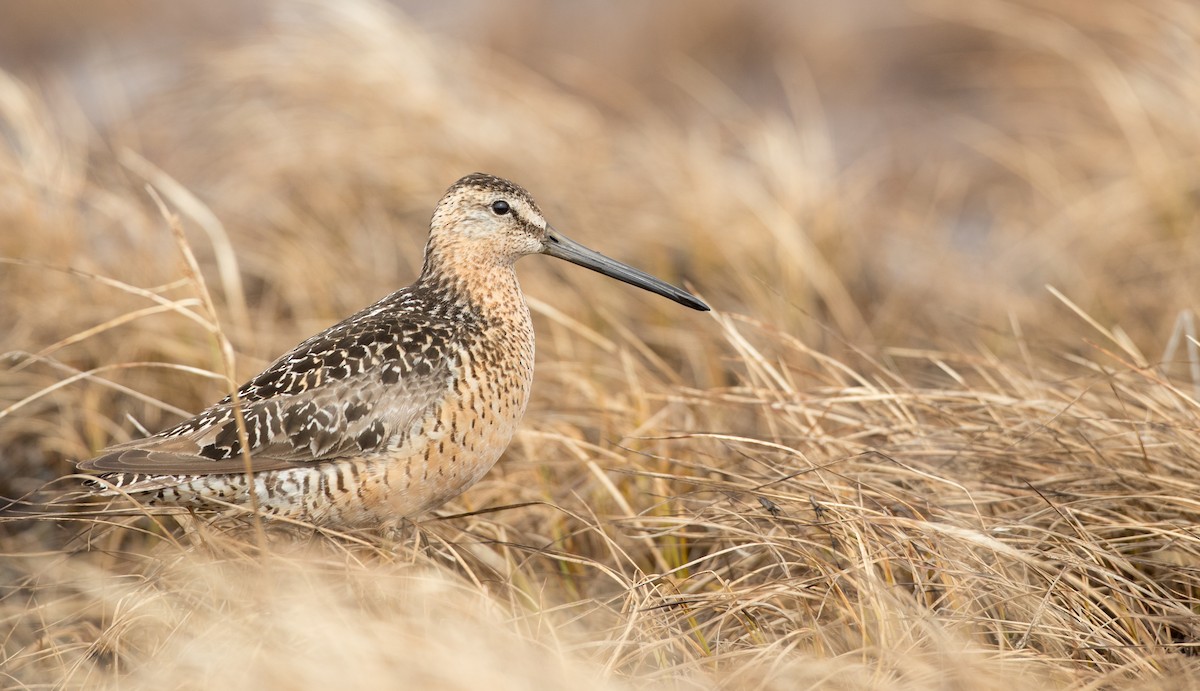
(353, 389)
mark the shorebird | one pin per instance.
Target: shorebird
(394, 410)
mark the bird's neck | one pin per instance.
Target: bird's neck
(488, 287)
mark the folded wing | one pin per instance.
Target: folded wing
(352, 390)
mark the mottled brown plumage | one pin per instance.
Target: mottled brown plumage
(394, 410)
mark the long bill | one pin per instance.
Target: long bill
(563, 247)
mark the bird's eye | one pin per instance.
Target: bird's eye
(500, 207)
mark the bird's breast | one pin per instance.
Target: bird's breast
(461, 437)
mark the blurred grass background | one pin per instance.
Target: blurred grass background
(940, 432)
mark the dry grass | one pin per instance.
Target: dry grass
(892, 458)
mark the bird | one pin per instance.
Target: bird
(394, 410)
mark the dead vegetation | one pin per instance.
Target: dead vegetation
(941, 431)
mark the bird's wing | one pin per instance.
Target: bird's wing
(350, 390)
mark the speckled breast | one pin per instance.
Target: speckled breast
(464, 434)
